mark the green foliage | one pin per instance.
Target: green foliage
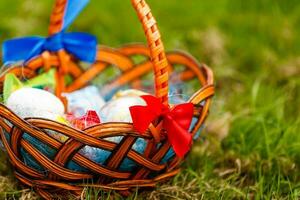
(251, 146)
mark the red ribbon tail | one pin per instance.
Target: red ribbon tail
(179, 138)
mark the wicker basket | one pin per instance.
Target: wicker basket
(150, 170)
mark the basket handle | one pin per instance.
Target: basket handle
(157, 52)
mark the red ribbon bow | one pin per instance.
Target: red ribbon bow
(176, 121)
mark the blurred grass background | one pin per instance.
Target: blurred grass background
(251, 145)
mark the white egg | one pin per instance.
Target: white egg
(30, 102)
(117, 110)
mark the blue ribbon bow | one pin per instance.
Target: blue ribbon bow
(82, 45)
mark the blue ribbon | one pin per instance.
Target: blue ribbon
(82, 45)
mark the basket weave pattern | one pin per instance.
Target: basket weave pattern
(108, 175)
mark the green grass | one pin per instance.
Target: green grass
(250, 148)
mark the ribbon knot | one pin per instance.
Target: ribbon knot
(54, 43)
(176, 121)
(82, 45)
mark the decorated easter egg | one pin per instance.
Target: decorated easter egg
(31, 102)
(117, 110)
(83, 100)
